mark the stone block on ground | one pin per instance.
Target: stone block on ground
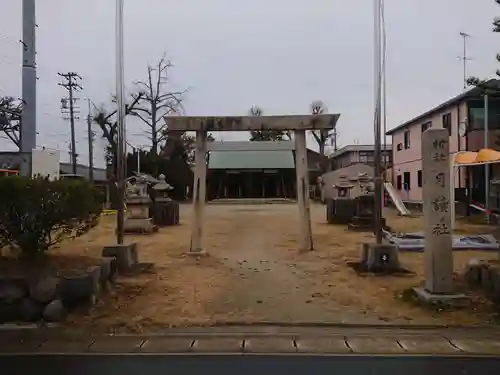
(473, 271)
(139, 226)
(54, 311)
(380, 258)
(445, 300)
(126, 256)
(44, 288)
(79, 289)
(30, 310)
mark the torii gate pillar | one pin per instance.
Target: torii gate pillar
(298, 123)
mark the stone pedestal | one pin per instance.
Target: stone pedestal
(127, 259)
(437, 218)
(380, 258)
(363, 219)
(342, 207)
(138, 220)
(340, 210)
(165, 212)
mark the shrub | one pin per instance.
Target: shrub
(37, 213)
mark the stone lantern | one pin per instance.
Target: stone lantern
(165, 210)
(138, 202)
(341, 208)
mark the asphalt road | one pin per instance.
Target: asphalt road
(246, 364)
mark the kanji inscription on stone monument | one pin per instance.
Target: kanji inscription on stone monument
(437, 211)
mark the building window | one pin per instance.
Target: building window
(426, 125)
(447, 122)
(419, 178)
(407, 139)
(406, 181)
(476, 121)
(398, 182)
(399, 147)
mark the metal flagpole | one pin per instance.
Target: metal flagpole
(377, 120)
(120, 100)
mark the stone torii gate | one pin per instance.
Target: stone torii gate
(297, 123)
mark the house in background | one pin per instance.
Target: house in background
(259, 169)
(354, 154)
(351, 160)
(463, 111)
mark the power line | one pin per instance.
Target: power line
(71, 84)
(5, 38)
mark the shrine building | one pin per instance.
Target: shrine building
(259, 169)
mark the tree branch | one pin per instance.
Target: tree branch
(316, 137)
(143, 119)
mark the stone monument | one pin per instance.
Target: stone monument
(138, 203)
(438, 256)
(341, 208)
(165, 210)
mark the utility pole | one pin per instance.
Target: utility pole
(71, 85)
(464, 57)
(90, 134)
(28, 116)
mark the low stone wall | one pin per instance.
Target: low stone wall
(485, 275)
(50, 298)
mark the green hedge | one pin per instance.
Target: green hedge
(37, 213)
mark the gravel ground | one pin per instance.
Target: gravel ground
(254, 273)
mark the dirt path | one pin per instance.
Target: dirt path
(255, 274)
(268, 285)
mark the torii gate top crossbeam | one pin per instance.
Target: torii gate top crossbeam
(247, 123)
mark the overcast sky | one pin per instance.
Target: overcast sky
(278, 54)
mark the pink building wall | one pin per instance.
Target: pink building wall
(410, 160)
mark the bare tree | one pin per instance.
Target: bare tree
(322, 136)
(109, 128)
(268, 134)
(10, 118)
(157, 102)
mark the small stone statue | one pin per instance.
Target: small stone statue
(365, 183)
(132, 189)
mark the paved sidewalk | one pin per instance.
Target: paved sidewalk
(262, 340)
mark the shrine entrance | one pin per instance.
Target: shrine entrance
(296, 123)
